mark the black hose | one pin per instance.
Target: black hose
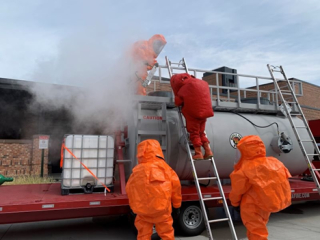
(258, 125)
(205, 185)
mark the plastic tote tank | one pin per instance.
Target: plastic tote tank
(94, 151)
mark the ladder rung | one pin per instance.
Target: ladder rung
(201, 160)
(207, 178)
(212, 198)
(306, 140)
(285, 91)
(313, 154)
(301, 127)
(316, 169)
(219, 220)
(295, 114)
(147, 132)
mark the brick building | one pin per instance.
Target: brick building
(20, 125)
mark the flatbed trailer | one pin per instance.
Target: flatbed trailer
(41, 202)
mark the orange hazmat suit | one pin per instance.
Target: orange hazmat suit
(259, 186)
(144, 55)
(152, 188)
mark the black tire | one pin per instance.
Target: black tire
(190, 221)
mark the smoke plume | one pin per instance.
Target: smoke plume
(91, 72)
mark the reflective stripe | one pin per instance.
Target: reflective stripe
(48, 206)
(0, 209)
(315, 190)
(206, 196)
(292, 190)
(94, 203)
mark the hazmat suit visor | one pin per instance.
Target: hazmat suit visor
(157, 47)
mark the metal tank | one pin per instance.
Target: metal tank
(223, 131)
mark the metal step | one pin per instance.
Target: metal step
(219, 220)
(207, 178)
(201, 160)
(212, 198)
(147, 132)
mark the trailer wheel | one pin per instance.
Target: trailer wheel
(190, 221)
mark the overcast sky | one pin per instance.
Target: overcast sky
(245, 35)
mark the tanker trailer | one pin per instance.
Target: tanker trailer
(224, 130)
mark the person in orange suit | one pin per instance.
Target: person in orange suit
(194, 97)
(152, 188)
(260, 186)
(144, 57)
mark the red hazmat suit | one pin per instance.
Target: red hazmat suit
(152, 187)
(144, 55)
(194, 97)
(259, 186)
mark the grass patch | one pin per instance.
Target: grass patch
(30, 180)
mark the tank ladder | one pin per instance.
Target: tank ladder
(202, 199)
(161, 133)
(288, 97)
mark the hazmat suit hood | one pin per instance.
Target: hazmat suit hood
(178, 80)
(157, 43)
(251, 147)
(148, 151)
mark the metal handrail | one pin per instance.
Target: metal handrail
(232, 93)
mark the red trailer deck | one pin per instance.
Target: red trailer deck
(39, 202)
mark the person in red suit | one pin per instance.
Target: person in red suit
(144, 54)
(194, 97)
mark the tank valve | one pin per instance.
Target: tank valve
(281, 144)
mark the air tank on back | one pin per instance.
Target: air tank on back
(224, 130)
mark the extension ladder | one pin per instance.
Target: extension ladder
(284, 91)
(215, 171)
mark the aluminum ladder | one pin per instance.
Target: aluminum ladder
(196, 179)
(289, 90)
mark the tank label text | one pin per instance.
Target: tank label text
(152, 117)
(234, 139)
(300, 195)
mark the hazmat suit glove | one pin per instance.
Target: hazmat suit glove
(175, 212)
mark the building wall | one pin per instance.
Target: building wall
(22, 157)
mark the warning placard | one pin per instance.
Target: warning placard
(43, 142)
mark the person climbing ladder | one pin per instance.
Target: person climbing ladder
(193, 95)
